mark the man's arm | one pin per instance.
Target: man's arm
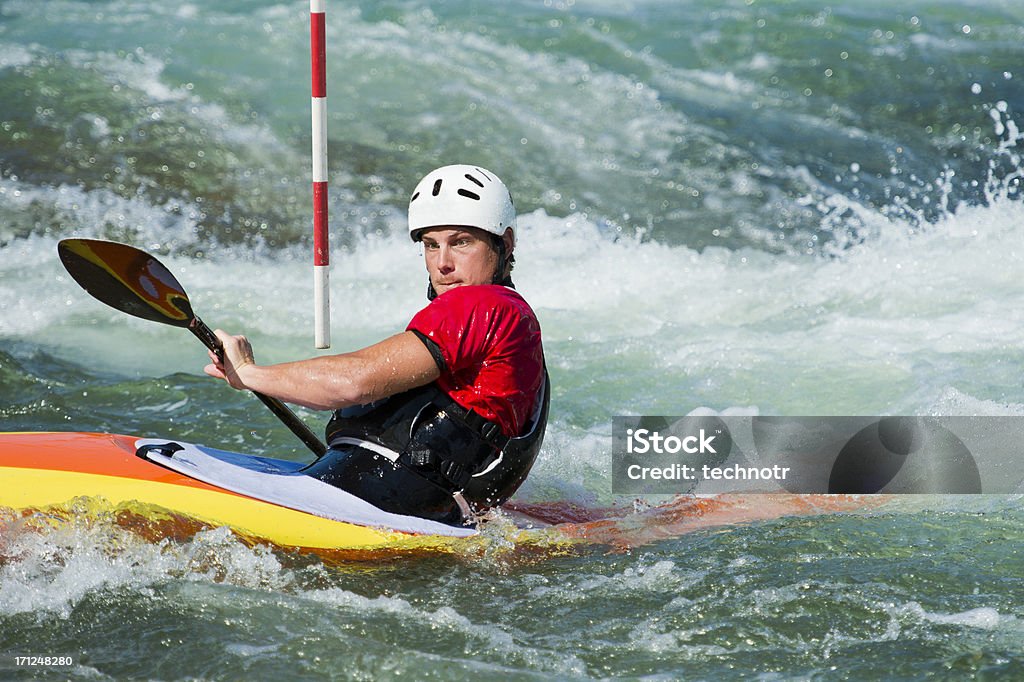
(330, 382)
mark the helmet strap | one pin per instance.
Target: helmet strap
(500, 270)
(503, 261)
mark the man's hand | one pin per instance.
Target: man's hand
(237, 355)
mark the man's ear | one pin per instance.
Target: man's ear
(509, 239)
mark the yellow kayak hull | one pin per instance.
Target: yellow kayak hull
(44, 470)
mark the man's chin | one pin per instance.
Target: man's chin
(441, 288)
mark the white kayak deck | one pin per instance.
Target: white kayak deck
(278, 482)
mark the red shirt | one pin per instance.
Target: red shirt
(490, 340)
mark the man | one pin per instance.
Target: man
(447, 417)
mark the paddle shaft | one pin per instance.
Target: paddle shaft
(297, 426)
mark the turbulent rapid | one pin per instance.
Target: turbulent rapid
(778, 209)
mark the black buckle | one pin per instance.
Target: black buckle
(493, 434)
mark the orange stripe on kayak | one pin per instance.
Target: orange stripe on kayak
(88, 453)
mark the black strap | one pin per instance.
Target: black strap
(489, 431)
(457, 470)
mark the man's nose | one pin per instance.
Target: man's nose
(445, 262)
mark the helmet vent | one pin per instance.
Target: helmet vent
(414, 197)
(474, 180)
(469, 195)
(437, 188)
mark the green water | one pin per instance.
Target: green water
(893, 595)
(759, 207)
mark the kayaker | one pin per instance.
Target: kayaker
(445, 418)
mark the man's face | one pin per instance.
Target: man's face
(458, 256)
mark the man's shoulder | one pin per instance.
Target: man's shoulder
(484, 304)
(490, 295)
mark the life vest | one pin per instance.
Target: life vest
(457, 451)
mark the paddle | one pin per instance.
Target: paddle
(136, 283)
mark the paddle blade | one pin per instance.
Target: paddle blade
(127, 279)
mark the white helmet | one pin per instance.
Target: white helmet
(460, 195)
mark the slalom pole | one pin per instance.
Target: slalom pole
(321, 250)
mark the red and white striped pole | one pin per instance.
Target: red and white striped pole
(321, 250)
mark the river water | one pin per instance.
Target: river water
(741, 206)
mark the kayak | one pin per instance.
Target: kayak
(260, 498)
(267, 500)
